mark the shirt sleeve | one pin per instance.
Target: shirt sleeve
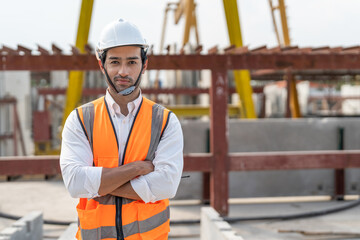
(81, 178)
(164, 181)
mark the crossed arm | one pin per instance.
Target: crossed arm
(157, 180)
(116, 181)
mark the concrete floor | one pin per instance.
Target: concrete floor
(341, 225)
(21, 197)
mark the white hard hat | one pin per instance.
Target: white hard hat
(120, 33)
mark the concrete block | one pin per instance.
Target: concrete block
(29, 227)
(34, 225)
(69, 233)
(222, 225)
(213, 227)
(208, 214)
(14, 233)
(230, 235)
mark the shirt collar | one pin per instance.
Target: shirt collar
(115, 108)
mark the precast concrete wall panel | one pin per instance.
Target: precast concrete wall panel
(264, 135)
(16, 84)
(195, 141)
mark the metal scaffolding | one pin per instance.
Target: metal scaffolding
(218, 162)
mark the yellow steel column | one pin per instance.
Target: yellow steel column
(294, 101)
(189, 15)
(76, 78)
(284, 23)
(272, 9)
(242, 77)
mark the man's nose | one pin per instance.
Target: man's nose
(123, 70)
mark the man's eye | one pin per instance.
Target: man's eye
(132, 62)
(114, 62)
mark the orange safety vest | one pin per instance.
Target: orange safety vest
(110, 217)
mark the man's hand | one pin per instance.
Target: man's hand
(126, 190)
(112, 178)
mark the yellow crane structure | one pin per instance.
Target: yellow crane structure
(186, 8)
(242, 77)
(76, 78)
(182, 8)
(285, 42)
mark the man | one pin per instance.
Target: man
(122, 153)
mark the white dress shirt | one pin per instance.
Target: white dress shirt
(82, 179)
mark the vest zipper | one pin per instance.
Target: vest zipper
(118, 200)
(119, 231)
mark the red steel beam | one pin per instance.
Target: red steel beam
(198, 162)
(294, 160)
(202, 162)
(29, 165)
(334, 98)
(219, 180)
(15, 126)
(19, 130)
(25, 165)
(278, 60)
(10, 100)
(6, 136)
(99, 91)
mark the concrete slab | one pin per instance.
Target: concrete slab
(339, 225)
(51, 197)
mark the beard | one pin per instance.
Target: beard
(121, 86)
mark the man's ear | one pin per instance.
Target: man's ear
(101, 66)
(145, 66)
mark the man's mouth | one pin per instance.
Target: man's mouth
(122, 80)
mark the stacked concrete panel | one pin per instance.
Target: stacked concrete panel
(29, 227)
(213, 227)
(69, 233)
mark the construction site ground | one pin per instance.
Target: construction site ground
(22, 196)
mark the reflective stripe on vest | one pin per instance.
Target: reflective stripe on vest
(97, 216)
(99, 233)
(88, 117)
(137, 227)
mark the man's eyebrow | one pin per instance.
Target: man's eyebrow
(132, 58)
(128, 58)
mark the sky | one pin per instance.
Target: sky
(312, 23)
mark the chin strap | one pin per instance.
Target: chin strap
(130, 89)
